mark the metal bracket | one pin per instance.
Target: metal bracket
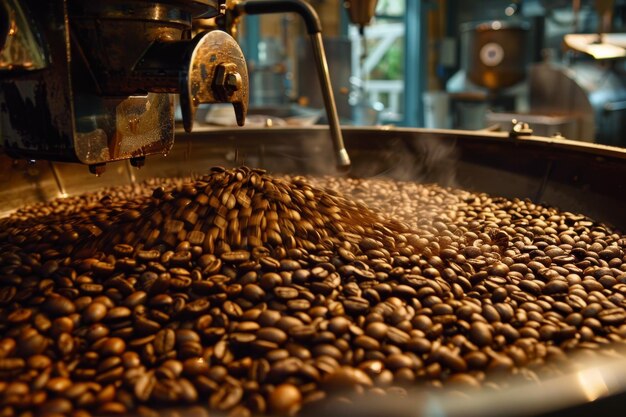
(519, 129)
(138, 162)
(98, 169)
(217, 73)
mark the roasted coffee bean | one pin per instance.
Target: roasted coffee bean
(452, 360)
(481, 334)
(419, 345)
(12, 364)
(94, 313)
(31, 343)
(556, 287)
(144, 386)
(366, 342)
(272, 334)
(146, 326)
(253, 292)
(118, 313)
(339, 325)
(164, 341)
(256, 292)
(226, 397)
(112, 346)
(20, 315)
(397, 336)
(612, 316)
(60, 406)
(286, 293)
(345, 377)
(298, 305)
(285, 399)
(377, 330)
(356, 305)
(58, 306)
(235, 257)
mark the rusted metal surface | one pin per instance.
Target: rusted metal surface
(105, 93)
(217, 73)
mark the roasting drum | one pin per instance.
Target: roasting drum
(573, 176)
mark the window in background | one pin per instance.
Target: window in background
(378, 57)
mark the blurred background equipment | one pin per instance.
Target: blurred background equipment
(494, 57)
(361, 12)
(450, 64)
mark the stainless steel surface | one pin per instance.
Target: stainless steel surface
(592, 387)
(105, 91)
(575, 176)
(542, 124)
(583, 100)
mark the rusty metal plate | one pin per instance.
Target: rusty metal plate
(217, 74)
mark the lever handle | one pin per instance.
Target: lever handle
(217, 73)
(210, 68)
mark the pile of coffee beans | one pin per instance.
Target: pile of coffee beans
(250, 294)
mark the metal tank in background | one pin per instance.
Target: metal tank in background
(494, 56)
(497, 56)
(581, 95)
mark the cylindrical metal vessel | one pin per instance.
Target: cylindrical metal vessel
(497, 54)
(574, 176)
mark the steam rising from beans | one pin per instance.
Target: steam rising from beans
(249, 293)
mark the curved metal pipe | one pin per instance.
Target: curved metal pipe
(314, 29)
(304, 9)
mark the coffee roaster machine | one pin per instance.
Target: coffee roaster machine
(93, 82)
(492, 76)
(580, 96)
(90, 83)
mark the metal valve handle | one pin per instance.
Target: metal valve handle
(217, 73)
(210, 68)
